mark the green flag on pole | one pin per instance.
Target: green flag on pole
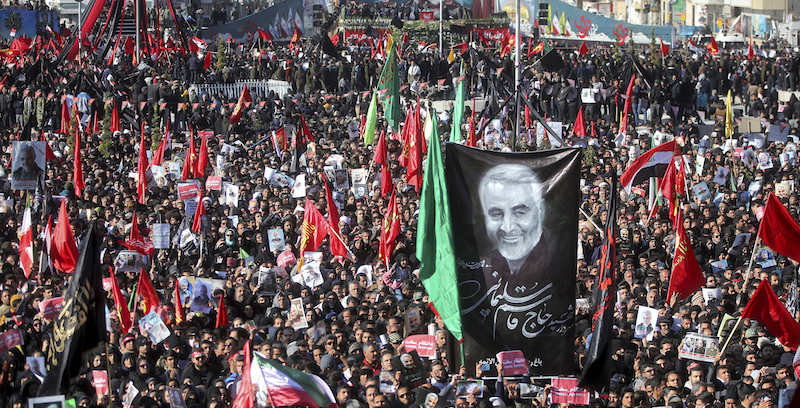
(458, 108)
(435, 239)
(389, 87)
(372, 117)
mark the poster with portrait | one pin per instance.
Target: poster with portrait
(310, 274)
(341, 179)
(276, 240)
(28, 165)
(186, 286)
(175, 397)
(360, 186)
(299, 187)
(297, 315)
(466, 388)
(37, 366)
(56, 401)
(130, 261)
(646, 323)
(155, 328)
(699, 347)
(514, 236)
(202, 296)
(231, 197)
(711, 295)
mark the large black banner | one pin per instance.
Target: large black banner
(515, 226)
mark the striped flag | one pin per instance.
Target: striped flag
(26, 243)
(282, 386)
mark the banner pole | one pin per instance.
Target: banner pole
(730, 336)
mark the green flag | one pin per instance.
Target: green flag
(458, 108)
(389, 87)
(562, 24)
(372, 117)
(435, 239)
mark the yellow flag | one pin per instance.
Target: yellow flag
(451, 57)
(729, 116)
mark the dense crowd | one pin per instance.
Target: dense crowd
(359, 315)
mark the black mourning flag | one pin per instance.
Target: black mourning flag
(597, 363)
(328, 47)
(552, 61)
(371, 31)
(81, 323)
(458, 29)
(514, 241)
(397, 22)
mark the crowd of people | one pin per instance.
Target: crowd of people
(361, 309)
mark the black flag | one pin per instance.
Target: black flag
(397, 23)
(552, 61)
(328, 47)
(371, 31)
(81, 323)
(597, 364)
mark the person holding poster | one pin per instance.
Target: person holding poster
(28, 166)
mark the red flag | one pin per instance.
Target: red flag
(338, 247)
(206, 61)
(779, 230)
(626, 110)
(137, 242)
(750, 53)
(158, 156)
(664, 48)
(381, 152)
(141, 184)
(95, 126)
(583, 49)
(64, 116)
(244, 395)
(64, 250)
(264, 35)
(222, 314)
(197, 222)
(580, 126)
(687, 276)
(471, 142)
(390, 230)
(768, 310)
(305, 132)
(114, 126)
(244, 97)
(202, 158)
(77, 166)
(712, 47)
(315, 228)
(148, 293)
(295, 38)
(179, 314)
(335, 39)
(668, 188)
(414, 142)
(188, 160)
(123, 313)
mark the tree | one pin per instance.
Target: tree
(155, 125)
(220, 54)
(106, 140)
(654, 58)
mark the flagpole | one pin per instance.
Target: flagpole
(517, 77)
(750, 265)
(730, 336)
(441, 23)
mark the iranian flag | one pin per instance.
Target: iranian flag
(26, 243)
(284, 386)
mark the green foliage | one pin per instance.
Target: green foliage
(589, 156)
(654, 58)
(220, 54)
(155, 126)
(106, 139)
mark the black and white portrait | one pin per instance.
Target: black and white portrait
(28, 165)
(514, 221)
